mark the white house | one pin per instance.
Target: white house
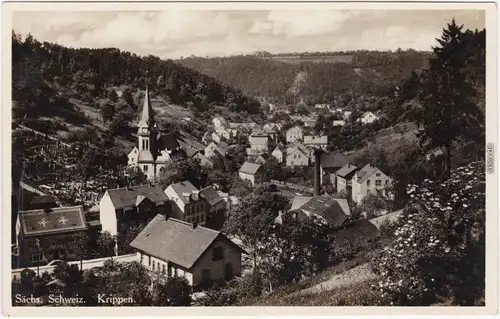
(338, 123)
(298, 155)
(223, 132)
(204, 161)
(367, 180)
(279, 153)
(294, 134)
(347, 115)
(117, 205)
(344, 178)
(213, 149)
(252, 173)
(219, 122)
(216, 138)
(316, 141)
(174, 248)
(258, 142)
(368, 117)
(187, 204)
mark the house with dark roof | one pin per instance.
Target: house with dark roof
(186, 202)
(213, 149)
(251, 172)
(120, 208)
(369, 180)
(330, 163)
(43, 235)
(175, 248)
(333, 211)
(344, 178)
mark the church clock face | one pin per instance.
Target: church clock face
(144, 130)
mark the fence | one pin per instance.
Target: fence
(293, 186)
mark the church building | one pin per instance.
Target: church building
(153, 151)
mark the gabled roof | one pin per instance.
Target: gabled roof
(346, 170)
(183, 188)
(365, 172)
(300, 147)
(55, 220)
(249, 168)
(176, 241)
(333, 160)
(210, 195)
(324, 206)
(295, 128)
(126, 197)
(308, 139)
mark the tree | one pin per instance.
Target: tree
(252, 220)
(184, 169)
(450, 111)
(106, 244)
(174, 292)
(79, 245)
(439, 245)
(107, 112)
(127, 96)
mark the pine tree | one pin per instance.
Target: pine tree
(448, 97)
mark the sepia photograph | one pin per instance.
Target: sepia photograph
(236, 156)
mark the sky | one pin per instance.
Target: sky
(174, 34)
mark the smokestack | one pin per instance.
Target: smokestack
(317, 172)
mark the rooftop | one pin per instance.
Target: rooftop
(183, 188)
(56, 220)
(249, 168)
(176, 241)
(127, 196)
(332, 160)
(346, 170)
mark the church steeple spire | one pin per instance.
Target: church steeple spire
(147, 115)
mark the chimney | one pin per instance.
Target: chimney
(317, 172)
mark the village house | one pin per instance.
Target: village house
(271, 131)
(344, 178)
(298, 155)
(261, 159)
(321, 106)
(294, 134)
(43, 235)
(330, 164)
(207, 138)
(176, 248)
(316, 141)
(216, 207)
(368, 118)
(338, 123)
(279, 153)
(251, 172)
(120, 208)
(213, 149)
(367, 180)
(333, 211)
(223, 133)
(216, 137)
(258, 143)
(347, 115)
(204, 161)
(219, 122)
(187, 204)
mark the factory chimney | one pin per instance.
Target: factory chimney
(317, 172)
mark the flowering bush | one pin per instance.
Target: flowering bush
(438, 246)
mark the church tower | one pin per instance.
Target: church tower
(146, 130)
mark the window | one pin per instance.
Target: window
(218, 253)
(202, 217)
(170, 271)
(143, 144)
(145, 168)
(378, 182)
(188, 210)
(149, 262)
(386, 182)
(205, 275)
(154, 264)
(197, 218)
(163, 269)
(142, 258)
(36, 257)
(377, 174)
(147, 145)
(368, 183)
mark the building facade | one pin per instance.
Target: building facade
(294, 134)
(187, 204)
(369, 180)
